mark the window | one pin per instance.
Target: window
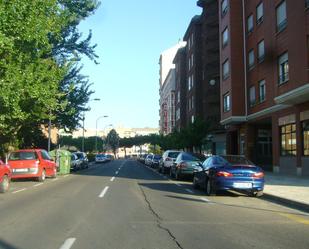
(288, 140)
(262, 91)
(261, 51)
(252, 96)
(192, 57)
(226, 102)
(250, 24)
(192, 80)
(178, 114)
(281, 16)
(225, 37)
(259, 13)
(178, 96)
(224, 7)
(192, 119)
(283, 64)
(306, 138)
(225, 69)
(45, 155)
(189, 83)
(251, 59)
(192, 102)
(307, 3)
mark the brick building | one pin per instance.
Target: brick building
(197, 90)
(264, 81)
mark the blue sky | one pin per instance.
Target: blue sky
(130, 35)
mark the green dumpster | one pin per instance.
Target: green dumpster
(62, 159)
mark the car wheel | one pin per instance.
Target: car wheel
(42, 177)
(256, 193)
(54, 175)
(171, 173)
(5, 184)
(177, 175)
(195, 184)
(209, 188)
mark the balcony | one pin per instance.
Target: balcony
(296, 96)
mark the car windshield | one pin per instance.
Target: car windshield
(173, 154)
(236, 160)
(193, 157)
(23, 155)
(157, 157)
(79, 155)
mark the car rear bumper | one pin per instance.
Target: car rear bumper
(224, 184)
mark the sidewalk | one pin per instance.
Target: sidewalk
(290, 190)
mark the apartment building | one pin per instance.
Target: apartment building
(167, 89)
(197, 90)
(264, 81)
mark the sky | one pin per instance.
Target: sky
(130, 36)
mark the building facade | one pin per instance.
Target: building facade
(167, 89)
(264, 82)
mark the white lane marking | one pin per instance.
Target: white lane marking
(66, 176)
(117, 172)
(20, 190)
(68, 243)
(39, 184)
(113, 178)
(206, 200)
(189, 190)
(179, 185)
(55, 179)
(103, 192)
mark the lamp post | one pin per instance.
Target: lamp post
(96, 131)
(83, 139)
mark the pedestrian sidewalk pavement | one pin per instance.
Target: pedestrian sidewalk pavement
(291, 190)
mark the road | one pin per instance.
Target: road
(124, 204)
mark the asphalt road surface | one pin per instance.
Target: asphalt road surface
(125, 205)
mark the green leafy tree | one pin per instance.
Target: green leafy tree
(112, 139)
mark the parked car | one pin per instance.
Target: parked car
(148, 159)
(109, 157)
(100, 158)
(168, 158)
(142, 158)
(5, 177)
(229, 173)
(82, 156)
(32, 163)
(185, 164)
(76, 163)
(155, 161)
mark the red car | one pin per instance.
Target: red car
(32, 163)
(5, 177)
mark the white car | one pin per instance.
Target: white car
(148, 159)
(100, 158)
(168, 158)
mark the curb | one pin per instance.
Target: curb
(286, 202)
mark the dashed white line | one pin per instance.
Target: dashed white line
(113, 178)
(117, 172)
(103, 192)
(179, 185)
(39, 184)
(189, 190)
(68, 243)
(206, 200)
(20, 190)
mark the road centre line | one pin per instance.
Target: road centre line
(68, 243)
(39, 184)
(113, 178)
(20, 190)
(189, 190)
(103, 192)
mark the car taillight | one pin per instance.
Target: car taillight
(258, 175)
(168, 159)
(182, 165)
(224, 174)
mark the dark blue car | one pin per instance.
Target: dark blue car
(229, 173)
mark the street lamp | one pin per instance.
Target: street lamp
(83, 139)
(96, 131)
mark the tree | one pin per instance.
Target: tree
(112, 139)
